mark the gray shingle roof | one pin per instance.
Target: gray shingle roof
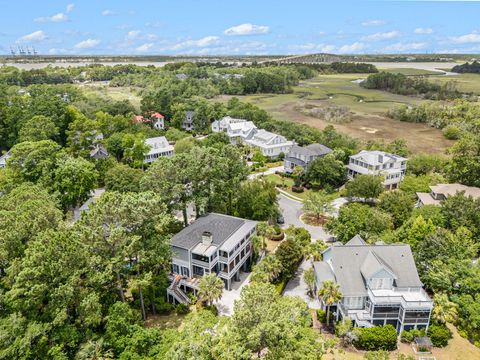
(348, 260)
(311, 150)
(221, 227)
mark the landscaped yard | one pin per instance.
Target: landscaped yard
(287, 185)
(170, 321)
(458, 349)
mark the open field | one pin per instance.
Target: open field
(368, 108)
(469, 83)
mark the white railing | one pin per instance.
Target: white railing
(400, 299)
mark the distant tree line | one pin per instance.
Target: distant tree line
(473, 68)
(405, 85)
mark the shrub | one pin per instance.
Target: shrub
(212, 308)
(452, 132)
(297, 189)
(277, 237)
(439, 334)
(182, 309)
(376, 338)
(407, 336)
(322, 316)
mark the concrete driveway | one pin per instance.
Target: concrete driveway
(266, 172)
(298, 287)
(291, 210)
(227, 301)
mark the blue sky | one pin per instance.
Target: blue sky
(203, 27)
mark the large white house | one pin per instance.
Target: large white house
(214, 243)
(237, 130)
(270, 144)
(391, 167)
(379, 284)
(159, 147)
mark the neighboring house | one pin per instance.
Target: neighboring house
(159, 147)
(188, 121)
(443, 191)
(4, 158)
(391, 167)
(213, 243)
(303, 156)
(379, 284)
(270, 144)
(98, 152)
(158, 121)
(77, 212)
(139, 119)
(238, 130)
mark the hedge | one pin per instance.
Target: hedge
(376, 338)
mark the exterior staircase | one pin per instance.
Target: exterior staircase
(175, 291)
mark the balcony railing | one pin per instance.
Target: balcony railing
(400, 299)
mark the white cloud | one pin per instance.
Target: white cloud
(247, 29)
(465, 39)
(352, 48)
(402, 47)
(313, 48)
(70, 8)
(373, 23)
(107, 13)
(38, 35)
(60, 17)
(381, 36)
(145, 47)
(423, 31)
(153, 24)
(87, 44)
(133, 34)
(203, 42)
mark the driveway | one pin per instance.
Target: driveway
(291, 211)
(225, 304)
(298, 287)
(266, 172)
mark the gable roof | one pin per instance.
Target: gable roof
(311, 150)
(350, 260)
(158, 144)
(356, 240)
(452, 189)
(372, 265)
(220, 226)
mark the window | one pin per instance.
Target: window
(175, 268)
(185, 271)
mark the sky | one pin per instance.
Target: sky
(242, 27)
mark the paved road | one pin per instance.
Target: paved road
(291, 211)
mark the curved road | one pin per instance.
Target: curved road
(291, 211)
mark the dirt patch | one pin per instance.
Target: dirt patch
(312, 220)
(420, 137)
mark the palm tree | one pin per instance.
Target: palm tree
(267, 270)
(330, 294)
(210, 288)
(94, 350)
(444, 310)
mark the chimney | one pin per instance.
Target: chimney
(380, 159)
(207, 238)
